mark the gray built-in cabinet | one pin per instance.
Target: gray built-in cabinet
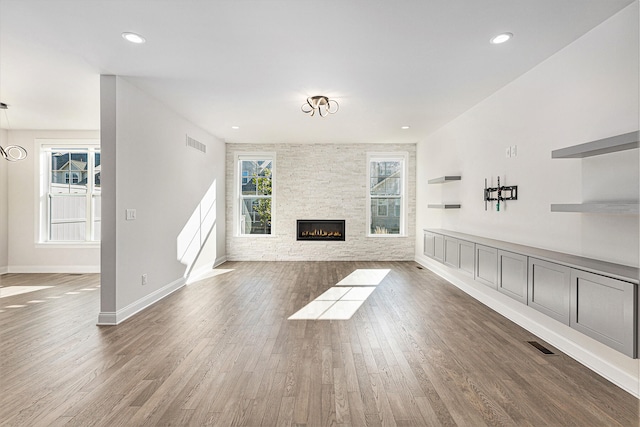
(459, 254)
(599, 299)
(549, 288)
(467, 256)
(451, 252)
(434, 246)
(604, 309)
(429, 241)
(512, 275)
(486, 271)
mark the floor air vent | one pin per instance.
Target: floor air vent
(540, 347)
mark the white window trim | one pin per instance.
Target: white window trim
(402, 156)
(41, 175)
(237, 184)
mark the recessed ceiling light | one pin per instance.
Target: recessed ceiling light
(235, 127)
(405, 127)
(501, 38)
(133, 38)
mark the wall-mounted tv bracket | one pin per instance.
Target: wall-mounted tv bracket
(502, 193)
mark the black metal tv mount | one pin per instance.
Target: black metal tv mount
(503, 193)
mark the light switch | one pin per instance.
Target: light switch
(507, 152)
(131, 214)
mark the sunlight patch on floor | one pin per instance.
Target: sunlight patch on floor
(343, 300)
(341, 310)
(17, 290)
(365, 277)
(213, 273)
(337, 303)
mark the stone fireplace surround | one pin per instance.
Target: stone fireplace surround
(330, 189)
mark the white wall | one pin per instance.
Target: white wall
(320, 181)
(148, 167)
(587, 91)
(25, 254)
(4, 209)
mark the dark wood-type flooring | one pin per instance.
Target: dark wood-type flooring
(221, 352)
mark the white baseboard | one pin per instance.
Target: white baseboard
(73, 269)
(114, 318)
(205, 271)
(4, 270)
(219, 261)
(621, 370)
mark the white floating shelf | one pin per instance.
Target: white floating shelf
(603, 208)
(444, 179)
(627, 141)
(444, 206)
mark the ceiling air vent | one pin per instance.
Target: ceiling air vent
(193, 143)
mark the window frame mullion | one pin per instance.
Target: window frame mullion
(90, 148)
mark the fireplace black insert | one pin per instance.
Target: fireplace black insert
(320, 229)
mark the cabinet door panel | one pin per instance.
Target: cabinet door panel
(550, 289)
(429, 240)
(486, 266)
(451, 252)
(603, 308)
(438, 247)
(467, 256)
(512, 275)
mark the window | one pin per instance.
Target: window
(255, 193)
(382, 207)
(70, 208)
(386, 182)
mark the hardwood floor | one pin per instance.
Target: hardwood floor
(221, 352)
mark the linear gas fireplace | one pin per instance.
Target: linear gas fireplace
(321, 229)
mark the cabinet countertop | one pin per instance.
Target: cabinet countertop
(618, 271)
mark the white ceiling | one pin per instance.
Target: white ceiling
(251, 63)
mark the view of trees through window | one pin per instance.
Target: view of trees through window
(73, 209)
(385, 189)
(255, 196)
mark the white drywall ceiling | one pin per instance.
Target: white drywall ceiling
(253, 63)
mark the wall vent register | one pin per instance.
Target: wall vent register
(194, 143)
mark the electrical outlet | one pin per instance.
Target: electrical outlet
(130, 214)
(144, 279)
(507, 152)
(514, 151)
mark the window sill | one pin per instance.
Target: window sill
(68, 245)
(386, 236)
(259, 236)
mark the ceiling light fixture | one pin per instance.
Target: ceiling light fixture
(235, 127)
(321, 104)
(11, 153)
(133, 38)
(405, 127)
(501, 38)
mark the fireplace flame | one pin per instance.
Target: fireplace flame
(321, 233)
